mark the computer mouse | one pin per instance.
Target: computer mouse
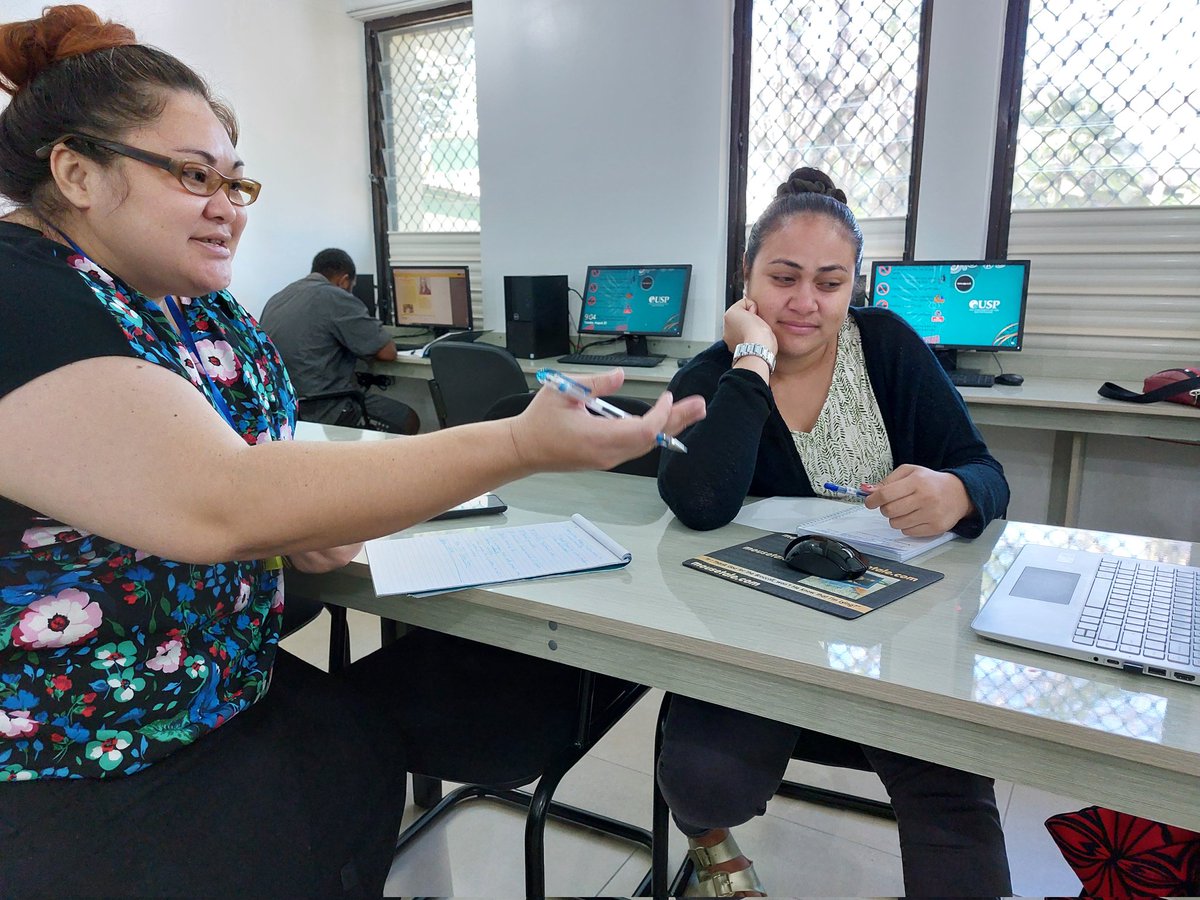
(1010, 378)
(824, 557)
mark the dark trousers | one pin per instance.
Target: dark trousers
(720, 766)
(300, 795)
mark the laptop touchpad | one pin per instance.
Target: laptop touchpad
(1045, 584)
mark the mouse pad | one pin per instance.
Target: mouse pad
(759, 564)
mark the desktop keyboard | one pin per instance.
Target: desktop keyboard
(612, 359)
(960, 378)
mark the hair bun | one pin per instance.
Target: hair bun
(26, 48)
(810, 181)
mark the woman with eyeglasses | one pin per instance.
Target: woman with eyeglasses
(148, 489)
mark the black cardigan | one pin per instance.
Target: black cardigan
(743, 447)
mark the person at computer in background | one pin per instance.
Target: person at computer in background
(153, 738)
(321, 330)
(804, 390)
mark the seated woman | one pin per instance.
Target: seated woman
(153, 739)
(803, 390)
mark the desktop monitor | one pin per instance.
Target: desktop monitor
(635, 302)
(970, 305)
(434, 297)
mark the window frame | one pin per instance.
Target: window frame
(372, 30)
(739, 145)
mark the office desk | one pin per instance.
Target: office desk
(1070, 407)
(909, 677)
(644, 383)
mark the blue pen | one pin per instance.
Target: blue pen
(565, 385)
(845, 491)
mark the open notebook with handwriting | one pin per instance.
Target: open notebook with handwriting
(439, 561)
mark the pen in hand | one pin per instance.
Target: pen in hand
(565, 385)
(845, 491)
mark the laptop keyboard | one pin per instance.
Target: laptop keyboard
(1143, 608)
(612, 359)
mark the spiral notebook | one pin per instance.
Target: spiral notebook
(439, 561)
(868, 530)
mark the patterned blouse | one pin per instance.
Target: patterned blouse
(111, 658)
(848, 443)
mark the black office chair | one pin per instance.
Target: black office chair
(305, 406)
(827, 750)
(468, 378)
(299, 610)
(547, 750)
(646, 465)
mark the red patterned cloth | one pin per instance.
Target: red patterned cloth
(1123, 857)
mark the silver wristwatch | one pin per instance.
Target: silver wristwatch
(759, 350)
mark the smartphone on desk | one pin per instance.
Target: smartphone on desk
(486, 505)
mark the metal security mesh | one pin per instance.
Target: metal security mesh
(833, 86)
(1110, 113)
(431, 127)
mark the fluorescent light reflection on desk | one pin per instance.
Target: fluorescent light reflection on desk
(1017, 534)
(851, 658)
(1068, 698)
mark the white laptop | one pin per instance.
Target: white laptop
(1128, 613)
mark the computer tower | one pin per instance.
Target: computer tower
(535, 314)
(364, 290)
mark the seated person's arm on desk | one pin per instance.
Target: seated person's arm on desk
(386, 353)
(706, 486)
(932, 437)
(360, 333)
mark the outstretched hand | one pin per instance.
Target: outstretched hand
(919, 501)
(557, 433)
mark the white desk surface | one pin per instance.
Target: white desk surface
(911, 677)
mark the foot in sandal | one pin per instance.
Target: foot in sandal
(722, 870)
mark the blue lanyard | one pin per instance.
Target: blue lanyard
(185, 332)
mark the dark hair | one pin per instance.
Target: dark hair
(805, 191)
(71, 71)
(334, 262)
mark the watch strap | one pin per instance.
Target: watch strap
(755, 349)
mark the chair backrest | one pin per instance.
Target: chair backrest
(472, 377)
(646, 465)
(308, 405)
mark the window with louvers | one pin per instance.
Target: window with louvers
(1106, 178)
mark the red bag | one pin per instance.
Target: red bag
(1121, 857)
(1176, 385)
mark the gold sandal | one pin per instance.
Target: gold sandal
(742, 882)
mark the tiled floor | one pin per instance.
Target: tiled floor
(799, 850)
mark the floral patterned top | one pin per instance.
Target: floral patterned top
(111, 658)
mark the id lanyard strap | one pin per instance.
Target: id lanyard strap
(273, 564)
(185, 332)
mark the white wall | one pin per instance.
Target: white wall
(965, 51)
(294, 72)
(603, 140)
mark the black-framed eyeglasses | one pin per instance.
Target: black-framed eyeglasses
(196, 177)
